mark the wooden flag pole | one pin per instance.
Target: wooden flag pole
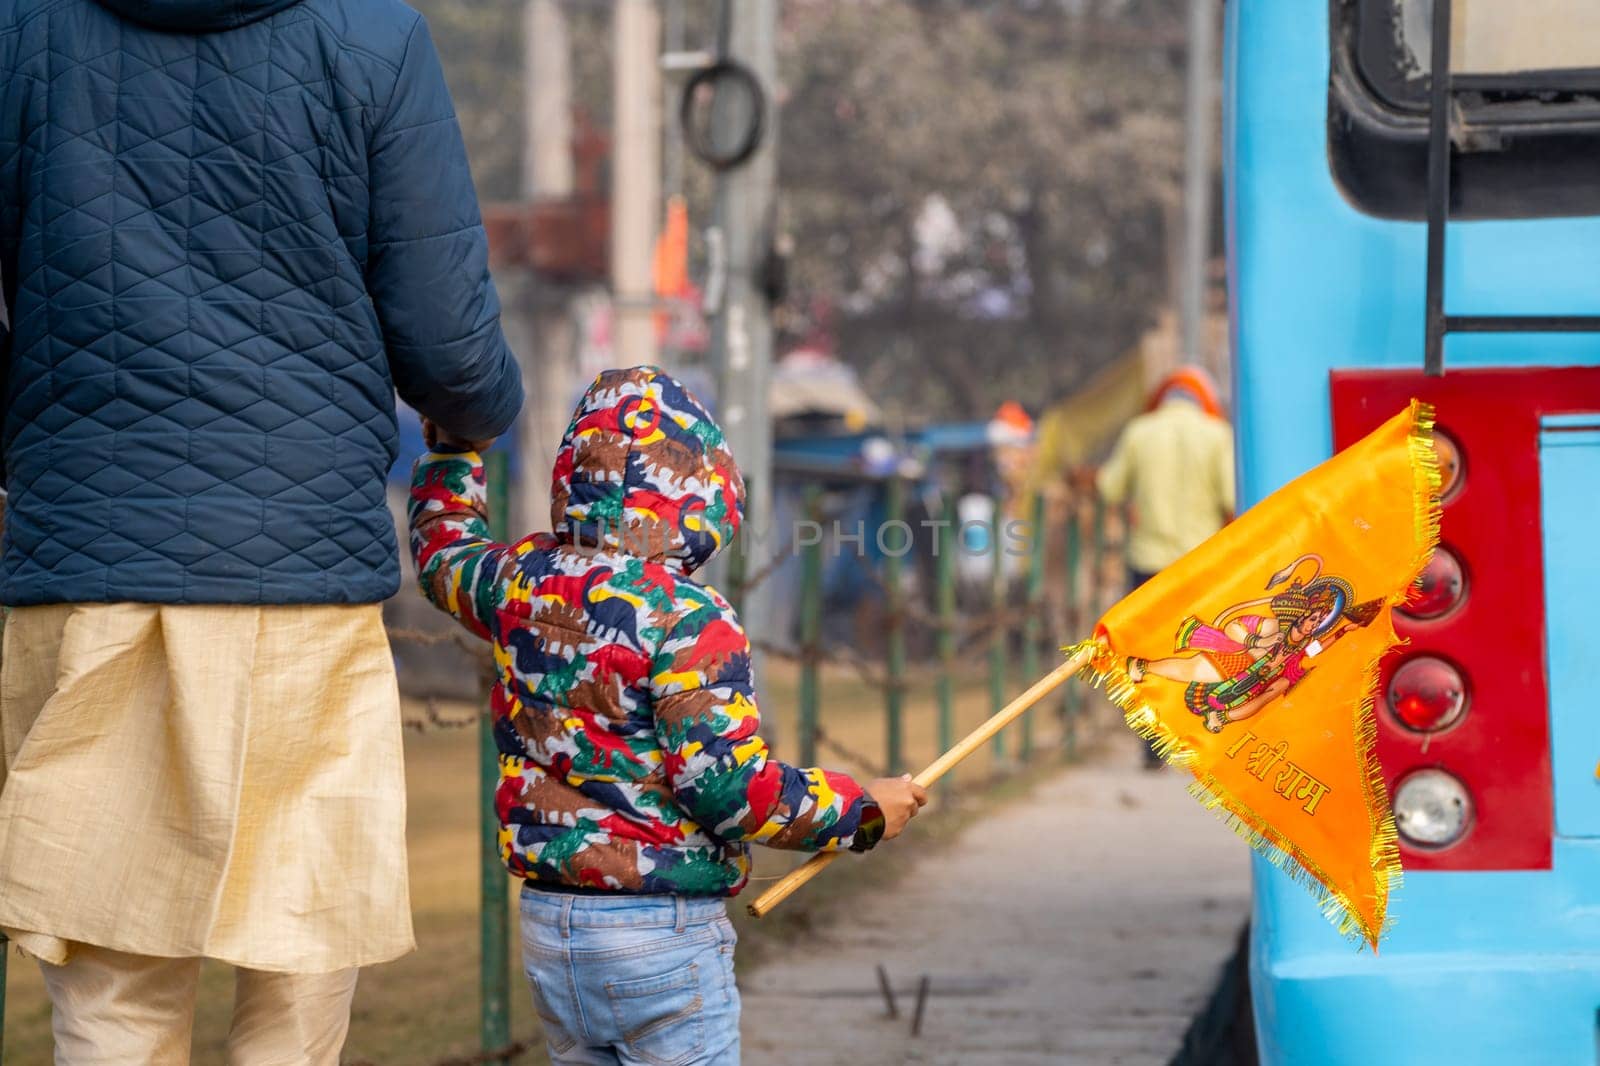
(972, 742)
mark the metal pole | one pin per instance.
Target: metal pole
(738, 574)
(635, 186)
(1032, 624)
(1002, 629)
(741, 339)
(672, 139)
(1197, 178)
(894, 632)
(810, 633)
(944, 550)
(494, 975)
(1438, 186)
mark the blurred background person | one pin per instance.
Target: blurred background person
(1172, 468)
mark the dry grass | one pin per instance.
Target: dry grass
(424, 1007)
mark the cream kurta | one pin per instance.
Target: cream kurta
(222, 781)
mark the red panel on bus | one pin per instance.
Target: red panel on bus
(1500, 748)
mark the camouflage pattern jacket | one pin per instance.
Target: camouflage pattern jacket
(624, 708)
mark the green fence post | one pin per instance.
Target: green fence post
(944, 551)
(810, 633)
(1076, 620)
(1097, 576)
(997, 640)
(738, 571)
(895, 632)
(1097, 563)
(1032, 624)
(494, 977)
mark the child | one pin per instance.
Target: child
(632, 781)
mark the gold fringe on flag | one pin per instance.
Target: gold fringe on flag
(1369, 518)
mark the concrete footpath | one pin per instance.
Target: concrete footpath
(1086, 924)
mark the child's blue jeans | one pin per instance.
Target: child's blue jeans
(644, 980)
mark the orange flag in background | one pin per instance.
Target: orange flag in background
(672, 259)
(1252, 662)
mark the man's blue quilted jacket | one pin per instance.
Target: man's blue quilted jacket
(229, 229)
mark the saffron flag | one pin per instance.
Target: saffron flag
(1252, 662)
(672, 261)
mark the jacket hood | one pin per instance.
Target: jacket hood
(644, 469)
(196, 16)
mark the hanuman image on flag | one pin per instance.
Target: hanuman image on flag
(1247, 657)
(1204, 644)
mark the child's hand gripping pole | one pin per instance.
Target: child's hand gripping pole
(980, 736)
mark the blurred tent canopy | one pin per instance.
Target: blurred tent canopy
(1082, 427)
(814, 388)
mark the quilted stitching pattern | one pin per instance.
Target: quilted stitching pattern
(222, 253)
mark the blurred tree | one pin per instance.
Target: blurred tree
(980, 191)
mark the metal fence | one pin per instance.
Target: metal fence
(1072, 571)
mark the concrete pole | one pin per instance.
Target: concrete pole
(547, 88)
(539, 320)
(1199, 131)
(635, 177)
(742, 327)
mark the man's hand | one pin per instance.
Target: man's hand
(899, 798)
(435, 437)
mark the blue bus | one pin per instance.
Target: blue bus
(1413, 209)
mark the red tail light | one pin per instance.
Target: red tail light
(1443, 586)
(1427, 694)
(1450, 463)
(1467, 697)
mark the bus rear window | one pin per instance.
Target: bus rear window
(1548, 40)
(1526, 128)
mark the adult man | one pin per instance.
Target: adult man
(1173, 466)
(227, 232)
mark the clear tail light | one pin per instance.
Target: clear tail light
(1432, 809)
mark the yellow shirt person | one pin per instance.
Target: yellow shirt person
(1174, 466)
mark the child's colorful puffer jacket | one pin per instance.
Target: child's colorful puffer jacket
(624, 707)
